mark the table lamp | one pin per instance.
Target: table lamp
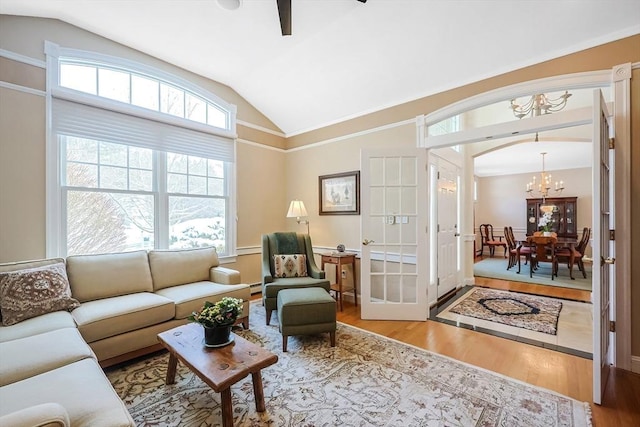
(297, 210)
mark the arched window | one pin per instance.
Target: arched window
(138, 158)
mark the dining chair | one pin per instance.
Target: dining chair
(578, 251)
(486, 232)
(511, 247)
(543, 249)
(516, 249)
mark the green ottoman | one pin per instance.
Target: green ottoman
(306, 311)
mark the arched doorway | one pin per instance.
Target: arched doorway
(622, 75)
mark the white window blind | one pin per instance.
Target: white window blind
(83, 121)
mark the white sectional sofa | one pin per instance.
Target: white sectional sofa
(50, 365)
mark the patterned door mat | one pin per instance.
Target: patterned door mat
(535, 313)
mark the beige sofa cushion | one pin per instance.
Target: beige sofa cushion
(171, 268)
(102, 276)
(112, 316)
(30, 356)
(43, 415)
(81, 388)
(191, 297)
(37, 325)
(117, 345)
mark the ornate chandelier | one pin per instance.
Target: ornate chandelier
(544, 186)
(539, 104)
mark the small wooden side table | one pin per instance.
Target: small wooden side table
(340, 259)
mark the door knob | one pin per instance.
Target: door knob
(367, 241)
(607, 260)
(457, 235)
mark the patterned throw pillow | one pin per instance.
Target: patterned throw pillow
(294, 265)
(33, 292)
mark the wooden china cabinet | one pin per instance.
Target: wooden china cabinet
(565, 216)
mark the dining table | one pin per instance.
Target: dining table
(562, 243)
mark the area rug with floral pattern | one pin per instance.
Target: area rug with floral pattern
(366, 380)
(511, 308)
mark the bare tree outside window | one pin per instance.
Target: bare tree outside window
(101, 220)
(95, 223)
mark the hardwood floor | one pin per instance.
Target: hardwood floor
(563, 373)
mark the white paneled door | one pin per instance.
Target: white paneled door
(447, 227)
(603, 246)
(394, 265)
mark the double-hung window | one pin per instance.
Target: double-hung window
(137, 159)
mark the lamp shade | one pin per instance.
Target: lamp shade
(296, 209)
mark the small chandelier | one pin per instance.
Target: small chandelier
(539, 104)
(544, 186)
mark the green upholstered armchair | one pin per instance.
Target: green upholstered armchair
(287, 243)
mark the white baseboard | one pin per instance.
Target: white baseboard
(256, 288)
(635, 364)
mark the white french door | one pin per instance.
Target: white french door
(394, 264)
(603, 246)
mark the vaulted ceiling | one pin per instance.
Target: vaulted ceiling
(345, 58)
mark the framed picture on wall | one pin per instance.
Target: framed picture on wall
(339, 194)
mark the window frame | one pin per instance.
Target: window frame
(56, 188)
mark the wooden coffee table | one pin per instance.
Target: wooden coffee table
(221, 367)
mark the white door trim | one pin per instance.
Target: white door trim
(622, 157)
(619, 77)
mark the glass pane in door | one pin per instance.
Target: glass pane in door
(393, 227)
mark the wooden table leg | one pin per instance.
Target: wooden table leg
(571, 261)
(355, 284)
(171, 369)
(258, 392)
(339, 281)
(227, 409)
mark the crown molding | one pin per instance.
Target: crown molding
(23, 58)
(261, 128)
(24, 89)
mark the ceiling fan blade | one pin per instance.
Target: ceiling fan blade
(284, 10)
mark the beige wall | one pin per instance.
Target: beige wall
(267, 178)
(22, 176)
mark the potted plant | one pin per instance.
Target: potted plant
(217, 320)
(545, 223)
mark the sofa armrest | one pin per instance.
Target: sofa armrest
(225, 276)
(43, 415)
